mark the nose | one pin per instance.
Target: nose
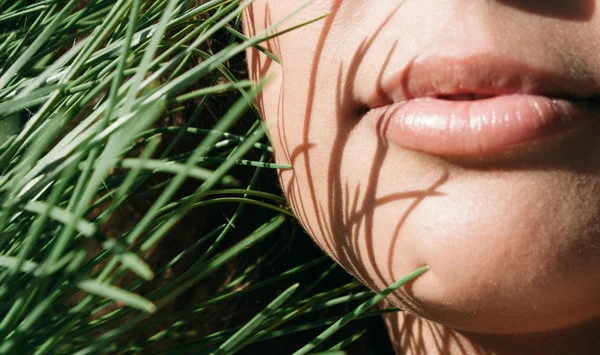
(573, 10)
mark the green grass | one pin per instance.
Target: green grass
(122, 122)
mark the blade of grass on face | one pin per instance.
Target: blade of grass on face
(360, 310)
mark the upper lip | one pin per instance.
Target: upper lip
(488, 74)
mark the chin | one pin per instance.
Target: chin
(510, 251)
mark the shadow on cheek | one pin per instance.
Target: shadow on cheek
(343, 216)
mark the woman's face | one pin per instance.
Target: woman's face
(461, 135)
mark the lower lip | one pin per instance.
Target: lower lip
(480, 127)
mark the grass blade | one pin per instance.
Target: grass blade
(360, 310)
(116, 294)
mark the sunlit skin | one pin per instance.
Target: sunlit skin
(510, 230)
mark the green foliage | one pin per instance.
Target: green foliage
(88, 95)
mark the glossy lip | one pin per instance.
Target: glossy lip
(521, 105)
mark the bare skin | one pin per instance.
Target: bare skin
(511, 232)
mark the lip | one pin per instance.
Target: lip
(520, 105)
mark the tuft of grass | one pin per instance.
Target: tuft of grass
(122, 122)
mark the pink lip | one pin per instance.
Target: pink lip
(523, 105)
